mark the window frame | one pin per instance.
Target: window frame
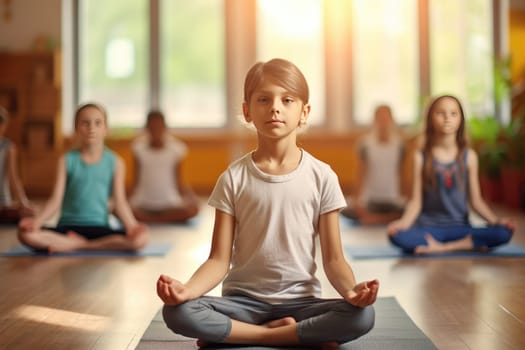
(240, 54)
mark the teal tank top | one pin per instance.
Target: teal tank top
(87, 191)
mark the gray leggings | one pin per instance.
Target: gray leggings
(319, 320)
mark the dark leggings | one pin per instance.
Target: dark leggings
(88, 232)
(482, 237)
(319, 320)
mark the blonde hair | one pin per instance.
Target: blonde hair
(280, 71)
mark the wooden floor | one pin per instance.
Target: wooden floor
(107, 303)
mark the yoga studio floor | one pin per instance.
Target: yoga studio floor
(108, 302)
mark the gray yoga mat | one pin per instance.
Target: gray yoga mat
(394, 330)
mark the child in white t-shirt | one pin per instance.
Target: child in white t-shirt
(160, 195)
(271, 206)
(378, 198)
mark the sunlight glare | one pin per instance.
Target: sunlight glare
(201, 253)
(62, 318)
(292, 18)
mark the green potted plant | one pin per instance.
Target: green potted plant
(484, 133)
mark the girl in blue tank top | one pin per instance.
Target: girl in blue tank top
(86, 179)
(446, 182)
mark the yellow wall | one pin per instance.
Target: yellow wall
(517, 43)
(210, 155)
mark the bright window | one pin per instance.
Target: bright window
(293, 30)
(192, 63)
(386, 69)
(113, 59)
(461, 53)
(189, 80)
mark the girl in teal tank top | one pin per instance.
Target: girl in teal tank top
(87, 183)
(86, 179)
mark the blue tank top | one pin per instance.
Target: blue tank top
(447, 203)
(88, 188)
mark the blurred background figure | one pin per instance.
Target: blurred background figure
(378, 199)
(159, 193)
(11, 211)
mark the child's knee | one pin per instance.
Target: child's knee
(139, 242)
(362, 323)
(195, 320)
(175, 317)
(502, 235)
(23, 236)
(193, 210)
(353, 322)
(402, 243)
(180, 318)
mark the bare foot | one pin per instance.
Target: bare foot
(272, 324)
(290, 320)
(330, 345)
(433, 246)
(72, 241)
(280, 322)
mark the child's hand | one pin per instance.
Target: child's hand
(138, 229)
(171, 291)
(508, 223)
(363, 294)
(395, 226)
(29, 224)
(26, 210)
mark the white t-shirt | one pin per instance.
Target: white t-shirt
(276, 219)
(156, 187)
(383, 163)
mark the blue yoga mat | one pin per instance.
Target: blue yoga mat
(388, 251)
(190, 223)
(156, 250)
(345, 222)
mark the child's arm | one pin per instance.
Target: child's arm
(136, 173)
(361, 171)
(404, 187)
(337, 270)
(210, 273)
(122, 208)
(413, 207)
(14, 179)
(53, 203)
(184, 189)
(476, 200)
